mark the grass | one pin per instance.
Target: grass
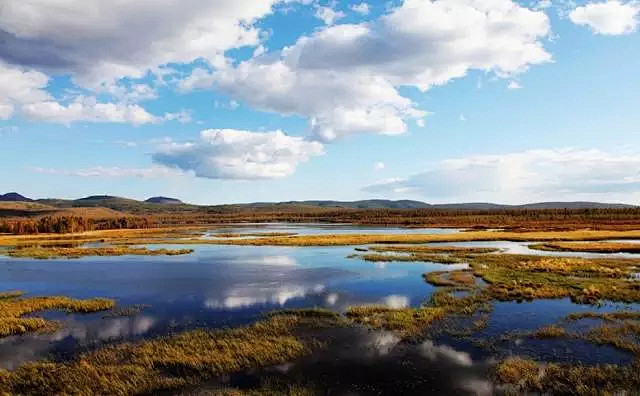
(407, 321)
(167, 363)
(77, 252)
(517, 277)
(413, 257)
(521, 376)
(252, 234)
(367, 239)
(13, 308)
(456, 278)
(589, 247)
(433, 249)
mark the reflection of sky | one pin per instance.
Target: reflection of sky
(225, 286)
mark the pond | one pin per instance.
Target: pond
(218, 286)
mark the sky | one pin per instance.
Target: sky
(229, 101)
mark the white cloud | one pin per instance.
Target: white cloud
(89, 110)
(328, 15)
(98, 41)
(527, 176)
(396, 301)
(609, 18)
(155, 172)
(236, 154)
(462, 117)
(420, 122)
(378, 166)
(18, 86)
(514, 85)
(361, 8)
(345, 78)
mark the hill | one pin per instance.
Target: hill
(164, 201)
(14, 197)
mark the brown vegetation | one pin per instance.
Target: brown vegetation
(168, 363)
(589, 247)
(13, 308)
(77, 252)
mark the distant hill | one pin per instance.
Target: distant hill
(161, 204)
(164, 201)
(408, 204)
(14, 197)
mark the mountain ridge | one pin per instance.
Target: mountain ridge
(115, 202)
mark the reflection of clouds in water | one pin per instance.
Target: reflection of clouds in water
(281, 261)
(396, 301)
(331, 299)
(244, 297)
(444, 352)
(17, 350)
(356, 358)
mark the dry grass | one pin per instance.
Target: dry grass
(589, 247)
(516, 277)
(551, 331)
(521, 376)
(456, 278)
(433, 249)
(413, 257)
(12, 310)
(367, 239)
(167, 363)
(407, 321)
(77, 252)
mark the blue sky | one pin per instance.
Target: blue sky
(254, 100)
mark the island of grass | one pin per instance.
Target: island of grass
(588, 247)
(46, 252)
(13, 308)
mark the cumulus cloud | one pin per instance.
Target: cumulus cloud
(609, 18)
(87, 109)
(328, 15)
(345, 78)
(361, 8)
(98, 41)
(378, 165)
(236, 154)
(533, 175)
(18, 86)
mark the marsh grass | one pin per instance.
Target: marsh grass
(369, 239)
(406, 321)
(168, 363)
(517, 277)
(13, 309)
(589, 247)
(413, 257)
(433, 249)
(520, 376)
(453, 278)
(76, 252)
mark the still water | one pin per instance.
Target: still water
(219, 286)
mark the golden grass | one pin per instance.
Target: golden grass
(252, 234)
(551, 331)
(517, 277)
(366, 239)
(589, 247)
(413, 257)
(450, 278)
(521, 376)
(77, 252)
(12, 310)
(167, 363)
(407, 321)
(433, 249)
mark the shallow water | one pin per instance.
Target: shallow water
(231, 285)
